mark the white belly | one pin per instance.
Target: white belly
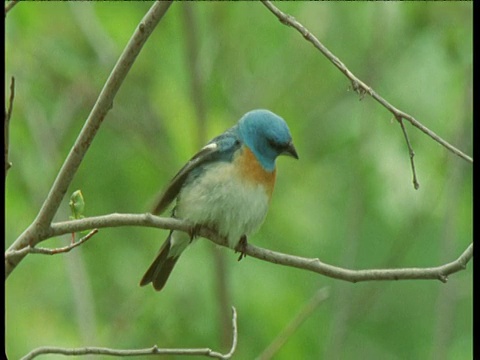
(219, 199)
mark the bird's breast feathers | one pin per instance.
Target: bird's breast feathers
(252, 171)
(232, 197)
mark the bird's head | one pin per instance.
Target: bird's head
(267, 135)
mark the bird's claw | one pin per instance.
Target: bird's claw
(193, 231)
(242, 247)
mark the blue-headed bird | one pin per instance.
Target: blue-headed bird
(226, 186)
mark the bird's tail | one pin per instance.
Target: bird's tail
(162, 266)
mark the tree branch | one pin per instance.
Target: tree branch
(6, 124)
(416, 185)
(9, 6)
(44, 251)
(314, 264)
(36, 231)
(358, 85)
(311, 264)
(154, 350)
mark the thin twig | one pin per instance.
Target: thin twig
(234, 334)
(44, 251)
(358, 85)
(102, 106)
(10, 5)
(416, 185)
(6, 125)
(154, 350)
(311, 264)
(100, 109)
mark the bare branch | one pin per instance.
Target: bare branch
(93, 350)
(154, 350)
(358, 85)
(117, 220)
(100, 109)
(311, 264)
(44, 251)
(234, 335)
(10, 5)
(6, 124)
(37, 229)
(416, 185)
(438, 273)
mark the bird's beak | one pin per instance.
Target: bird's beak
(290, 150)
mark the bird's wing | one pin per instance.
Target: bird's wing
(220, 148)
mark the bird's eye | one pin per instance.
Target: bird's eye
(275, 145)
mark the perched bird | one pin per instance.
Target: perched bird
(226, 187)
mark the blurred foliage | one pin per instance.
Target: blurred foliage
(349, 200)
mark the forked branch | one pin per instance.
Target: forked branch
(311, 264)
(154, 350)
(358, 85)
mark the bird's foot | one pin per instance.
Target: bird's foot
(193, 231)
(242, 247)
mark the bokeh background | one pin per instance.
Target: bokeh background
(349, 200)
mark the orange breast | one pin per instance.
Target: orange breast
(251, 170)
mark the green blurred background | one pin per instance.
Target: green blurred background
(349, 200)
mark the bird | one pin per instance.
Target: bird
(226, 187)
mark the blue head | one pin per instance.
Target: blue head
(267, 135)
